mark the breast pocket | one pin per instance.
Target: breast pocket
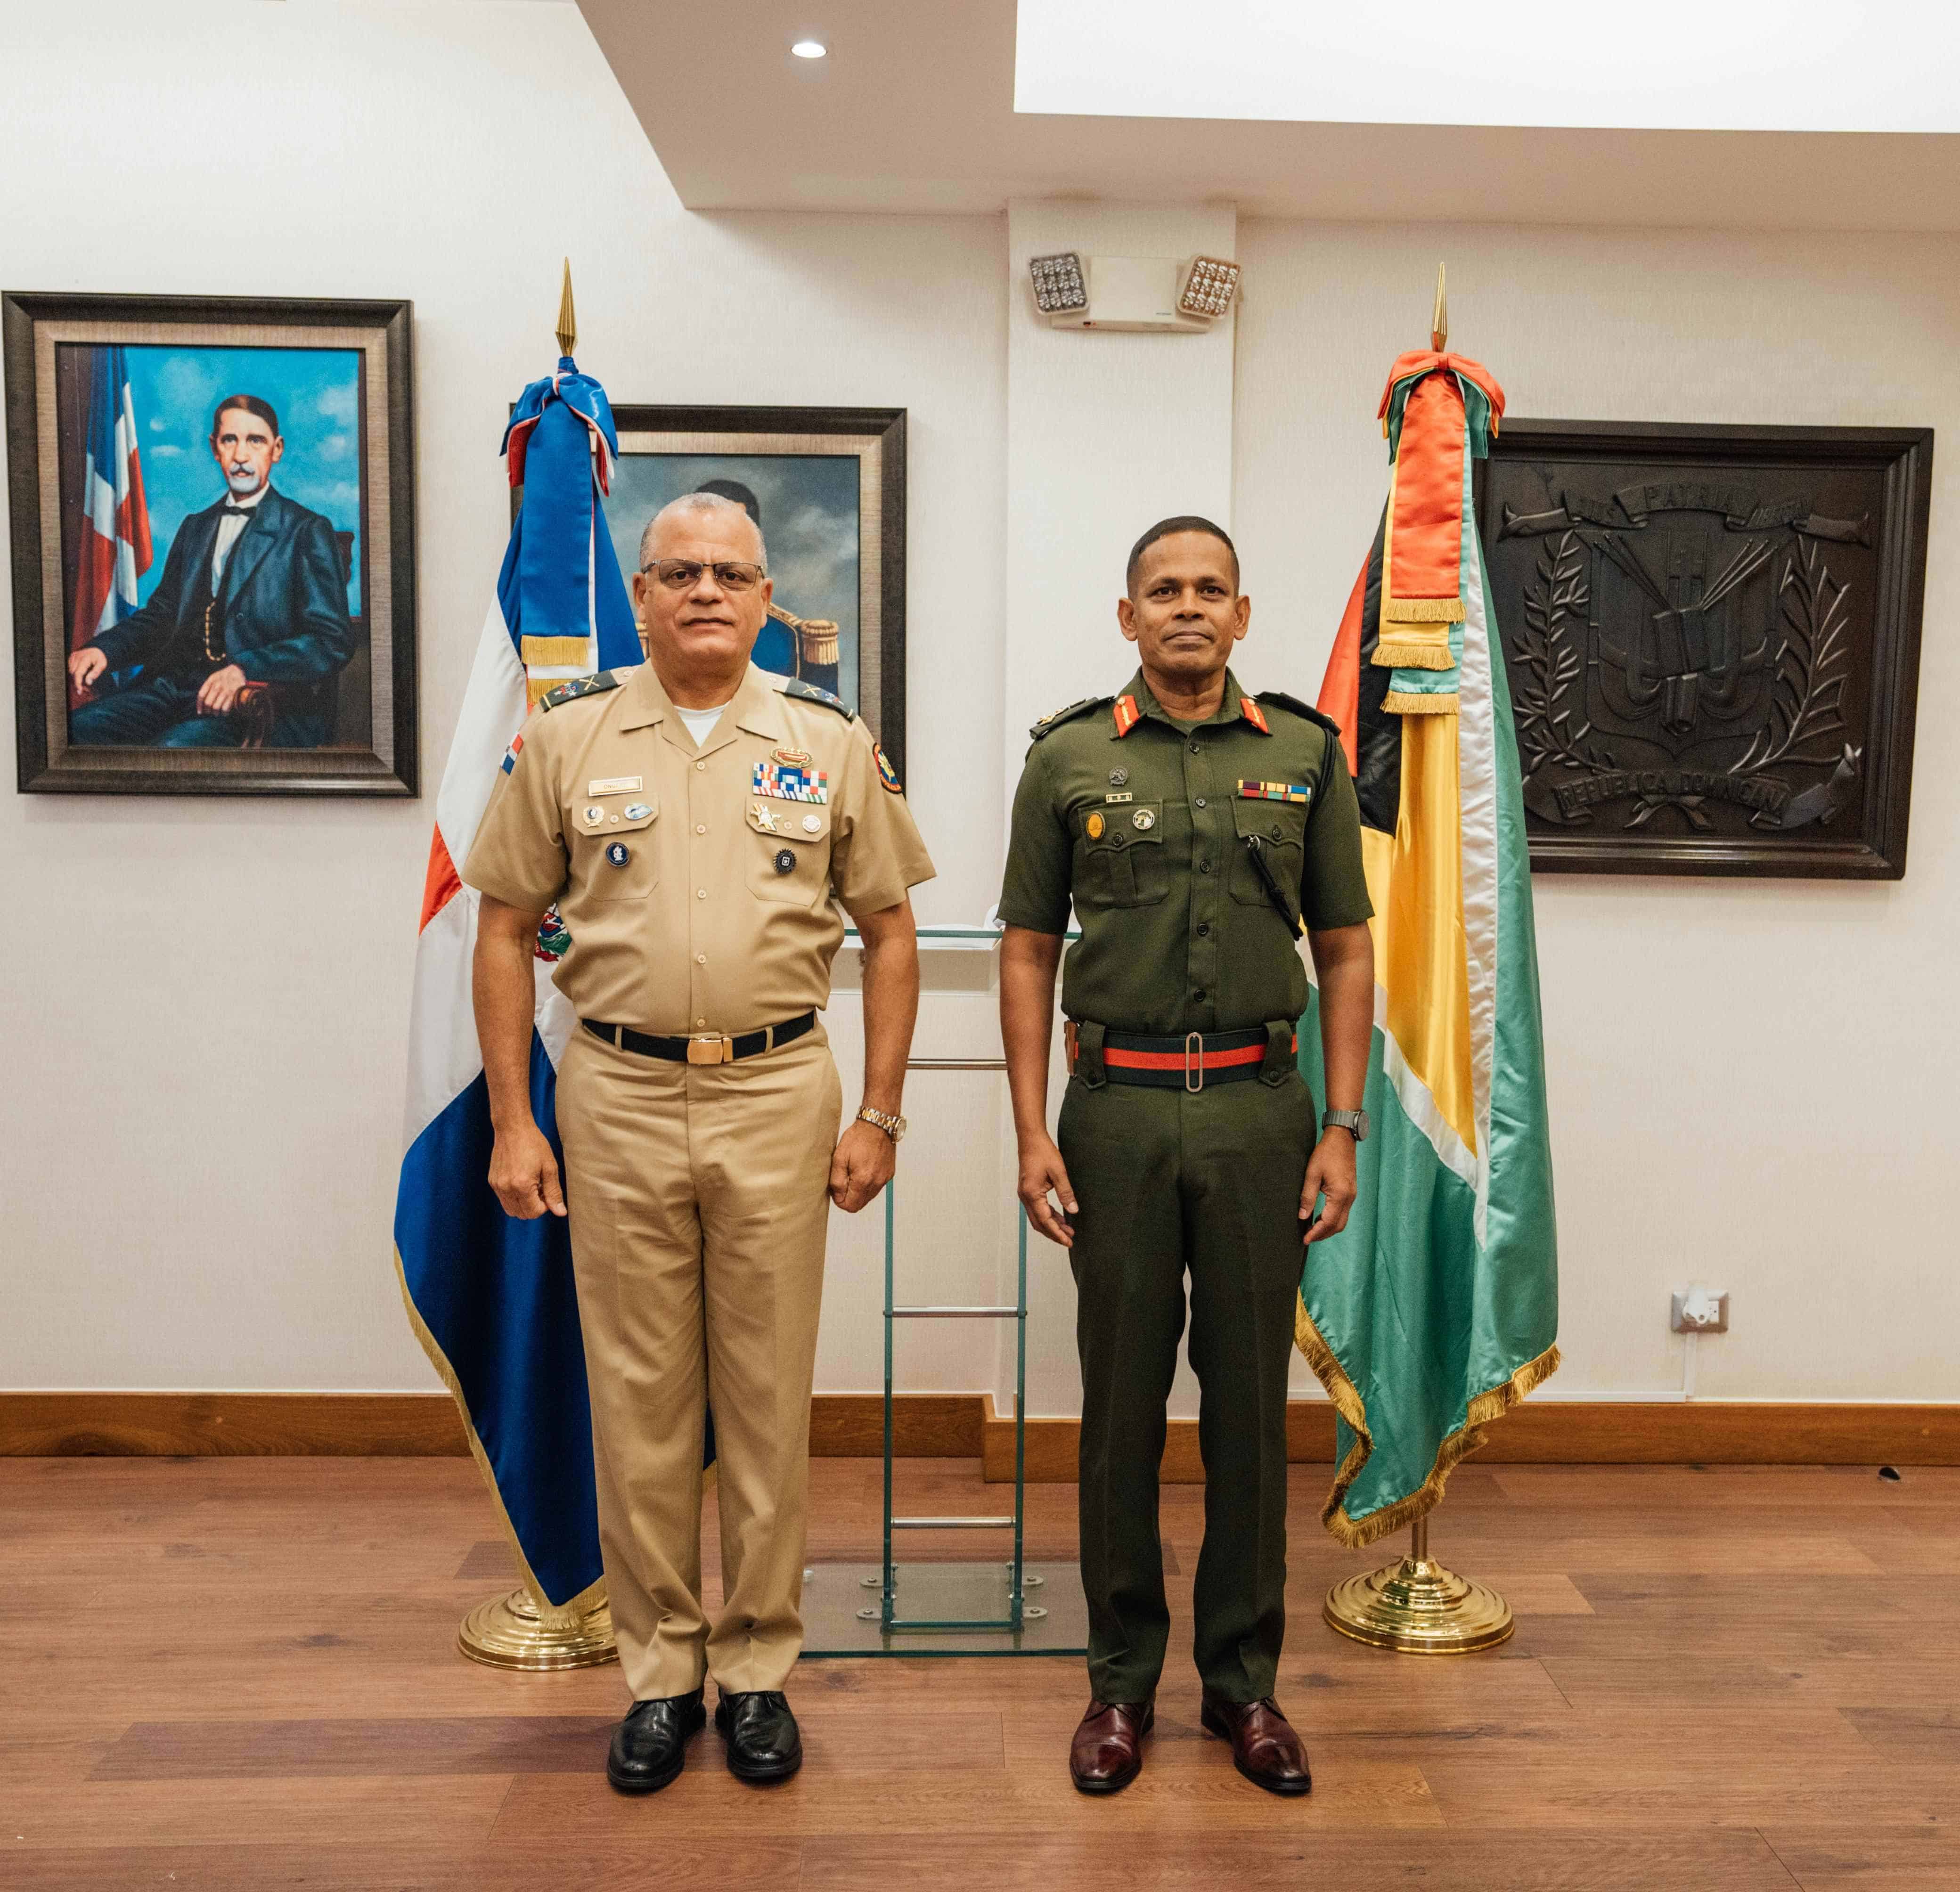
(612, 843)
(1120, 855)
(788, 849)
(1278, 829)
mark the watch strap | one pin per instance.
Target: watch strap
(1355, 1122)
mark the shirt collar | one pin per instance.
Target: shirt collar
(755, 706)
(1234, 706)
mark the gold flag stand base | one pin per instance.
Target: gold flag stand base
(511, 1632)
(1418, 1607)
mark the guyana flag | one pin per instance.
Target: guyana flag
(1437, 1308)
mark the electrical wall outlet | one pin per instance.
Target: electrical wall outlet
(1700, 1311)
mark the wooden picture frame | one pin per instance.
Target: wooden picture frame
(1712, 638)
(839, 583)
(318, 589)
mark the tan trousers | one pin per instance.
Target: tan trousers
(698, 1195)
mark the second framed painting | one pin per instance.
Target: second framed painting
(826, 486)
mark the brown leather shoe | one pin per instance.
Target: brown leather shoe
(1107, 1752)
(1265, 1748)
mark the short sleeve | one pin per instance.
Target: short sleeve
(1034, 892)
(519, 854)
(1333, 887)
(877, 852)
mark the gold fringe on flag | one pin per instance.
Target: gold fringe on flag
(1408, 653)
(1356, 1533)
(1421, 703)
(541, 652)
(1422, 611)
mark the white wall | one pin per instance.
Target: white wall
(203, 1025)
(1751, 1081)
(204, 1018)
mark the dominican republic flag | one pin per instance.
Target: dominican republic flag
(113, 521)
(1437, 1308)
(491, 1299)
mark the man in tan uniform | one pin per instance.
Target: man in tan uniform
(692, 820)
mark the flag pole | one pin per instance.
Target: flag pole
(1416, 1605)
(520, 1630)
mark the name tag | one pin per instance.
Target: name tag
(614, 785)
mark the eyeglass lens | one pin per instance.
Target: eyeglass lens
(683, 574)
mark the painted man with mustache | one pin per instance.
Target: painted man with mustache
(252, 593)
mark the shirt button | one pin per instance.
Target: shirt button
(1204, 866)
(700, 1022)
(1200, 802)
(699, 766)
(1203, 929)
(1199, 993)
(701, 958)
(1194, 748)
(701, 893)
(700, 828)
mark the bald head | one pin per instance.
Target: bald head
(681, 518)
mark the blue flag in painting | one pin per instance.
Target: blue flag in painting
(492, 1299)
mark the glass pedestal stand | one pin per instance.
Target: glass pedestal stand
(992, 1608)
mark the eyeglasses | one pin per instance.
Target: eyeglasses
(683, 574)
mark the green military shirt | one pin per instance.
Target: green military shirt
(1145, 824)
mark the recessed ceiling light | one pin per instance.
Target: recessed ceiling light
(809, 49)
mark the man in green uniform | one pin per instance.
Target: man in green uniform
(1198, 831)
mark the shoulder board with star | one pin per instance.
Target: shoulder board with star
(1055, 718)
(808, 693)
(574, 688)
(1298, 708)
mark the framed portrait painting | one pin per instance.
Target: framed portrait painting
(213, 509)
(826, 487)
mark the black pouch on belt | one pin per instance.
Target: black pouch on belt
(1087, 1063)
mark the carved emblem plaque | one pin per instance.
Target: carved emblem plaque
(1712, 638)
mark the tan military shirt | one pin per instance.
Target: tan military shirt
(697, 883)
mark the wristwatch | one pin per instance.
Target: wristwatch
(1353, 1121)
(894, 1126)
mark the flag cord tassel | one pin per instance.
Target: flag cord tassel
(1355, 1533)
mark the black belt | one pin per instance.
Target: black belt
(703, 1048)
(1194, 1062)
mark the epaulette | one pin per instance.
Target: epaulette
(1055, 718)
(808, 693)
(1298, 708)
(574, 688)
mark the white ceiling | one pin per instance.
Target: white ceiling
(914, 111)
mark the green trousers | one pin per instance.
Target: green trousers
(1168, 1184)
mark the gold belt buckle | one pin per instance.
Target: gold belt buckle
(711, 1047)
(1194, 1041)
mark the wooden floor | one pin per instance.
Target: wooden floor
(241, 1673)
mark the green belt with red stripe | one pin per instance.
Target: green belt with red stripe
(1193, 1062)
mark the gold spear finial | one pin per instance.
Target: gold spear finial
(567, 322)
(1439, 323)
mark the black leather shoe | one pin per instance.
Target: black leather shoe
(763, 1744)
(649, 1745)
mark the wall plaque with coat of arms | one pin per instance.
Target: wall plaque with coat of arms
(1712, 636)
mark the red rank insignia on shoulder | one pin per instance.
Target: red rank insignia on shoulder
(1127, 715)
(1253, 715)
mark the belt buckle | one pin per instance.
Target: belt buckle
(711, 1047)
(1191, 1039)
